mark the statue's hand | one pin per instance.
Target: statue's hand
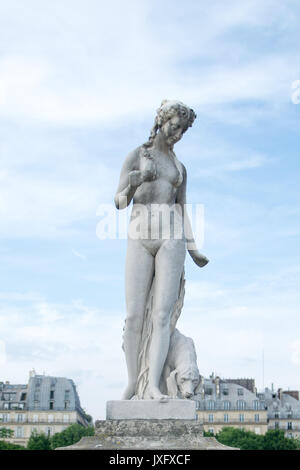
(149, 170)
(135, 178)
(198, 258)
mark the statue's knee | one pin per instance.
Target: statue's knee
(133, 322)
(161, 319)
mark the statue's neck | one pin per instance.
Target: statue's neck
(161, 144)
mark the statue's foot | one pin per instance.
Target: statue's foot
(156, 394)
(129, 392)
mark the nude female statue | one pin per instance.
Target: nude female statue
(155, 180)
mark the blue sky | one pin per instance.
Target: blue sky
(79, 85)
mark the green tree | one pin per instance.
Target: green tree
(6, 432)
(274, 440)
(8, 446)
(38, 441)
(71, 435)
(244, 440)
(247, 440)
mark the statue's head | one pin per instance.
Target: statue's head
(173, 118)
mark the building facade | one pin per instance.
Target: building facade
(45, 404)
(283, 411)
(220, 404)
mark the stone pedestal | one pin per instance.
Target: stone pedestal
(146, 435)
(151, 409)
(149, 424)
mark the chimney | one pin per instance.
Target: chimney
(217, 382)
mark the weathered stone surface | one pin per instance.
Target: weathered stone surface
(148, 434)
(151, 409)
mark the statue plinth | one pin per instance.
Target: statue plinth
(151, 409)
(149, 424)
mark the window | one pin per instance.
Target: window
(276, 425)
(256, 418)
(48, 432)
(66, 405)
(20, 432)
(226, 405)
(242, 418)
(240, 391)
(241, 404)
(211, 405)
(67, 394)
(226, 418)
(23, 397)
(20, 417)
(256, 404)
(51, 404)
(51, 394)
(36, 396)
(225, 391)
(211, 418)
(276, 415)
(66, 418)
(290, 425)
(211, 430)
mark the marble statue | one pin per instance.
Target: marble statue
(159, 235)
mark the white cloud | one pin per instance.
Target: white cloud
(108, 66)
(79, 255)
(2, 353)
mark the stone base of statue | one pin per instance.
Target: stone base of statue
(149, 424)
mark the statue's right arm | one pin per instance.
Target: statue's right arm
(130, 180)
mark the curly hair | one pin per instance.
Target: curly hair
(166, 111)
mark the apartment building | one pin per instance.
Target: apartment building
(220, 403)
(46, 404)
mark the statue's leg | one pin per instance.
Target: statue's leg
(169, 262)
(139, 275)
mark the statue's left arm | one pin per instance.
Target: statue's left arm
(197, 257)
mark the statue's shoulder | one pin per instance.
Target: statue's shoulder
(133, 158)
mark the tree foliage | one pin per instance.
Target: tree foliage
(38, 441)
(8, 446)
(6, 432)
(247, 440)
(71, 435)
(275, 440)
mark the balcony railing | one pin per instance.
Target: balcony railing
(33, 422)
(233, 421)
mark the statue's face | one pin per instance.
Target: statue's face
(173, 129)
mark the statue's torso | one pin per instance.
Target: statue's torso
(154, 201)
